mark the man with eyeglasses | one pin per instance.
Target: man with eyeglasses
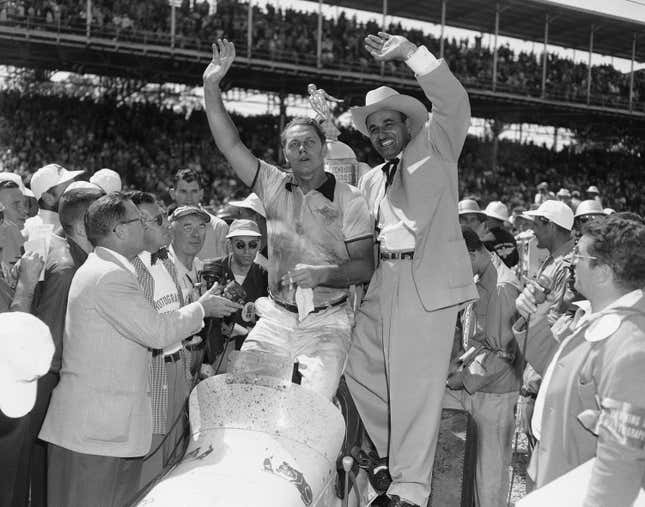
(592, 402)
(320, 240)
(100, 415)
(586, 211)
(552, 226)
(169, 387)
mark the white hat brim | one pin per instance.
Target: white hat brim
(492, 214)
(414, 109)
(17, 398)
(243, 232)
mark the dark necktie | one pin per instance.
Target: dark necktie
(161, 254)
(390, 170)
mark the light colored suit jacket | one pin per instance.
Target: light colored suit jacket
(102, 403)
(424, 194)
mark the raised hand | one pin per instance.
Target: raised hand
(384, 47)
(223, 56)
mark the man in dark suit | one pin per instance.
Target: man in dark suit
(99, 421)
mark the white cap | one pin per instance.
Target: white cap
(469, 206)
(593, 189)
(498, 210)
(75, 185)
(49, 176)
(563, 192)
(27, 351)
(251, 201)
(589, 207)
(15, 177)
(243, 227)
(108, 180)
(556, 211)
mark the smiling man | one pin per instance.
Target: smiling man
(401, 343)
(320, 239)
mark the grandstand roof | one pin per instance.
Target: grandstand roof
(523, 19)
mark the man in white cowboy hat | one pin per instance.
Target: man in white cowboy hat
(404, 330)
(499, 239)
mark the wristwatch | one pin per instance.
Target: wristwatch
(527, 394)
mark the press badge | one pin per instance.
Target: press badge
(625, 422)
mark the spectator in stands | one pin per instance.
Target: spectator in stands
(305, 210)
(48, 184)
(188, 191)
(575, 200)
(109, 329)
(484, 380)
(65, 256)
(587, 211)
(593, 193)
(565, 196)
(592, 396)
(543, 193)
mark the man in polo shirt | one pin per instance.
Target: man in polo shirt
(320, 239)
(48, 184)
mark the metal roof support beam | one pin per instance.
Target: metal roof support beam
(173, 24)
(545, 54)
(631, 75)
(497, 11)
(383, 27)
(591, 32)
(319, 36)
(249, 29)
(88, 19)
(443, 25)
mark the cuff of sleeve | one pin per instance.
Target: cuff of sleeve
(422, 61)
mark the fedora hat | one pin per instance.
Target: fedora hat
(385, 97)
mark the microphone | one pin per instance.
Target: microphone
(542, 287)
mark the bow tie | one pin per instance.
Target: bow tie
(162, 254)
(390, 170)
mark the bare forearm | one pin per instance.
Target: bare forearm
(23, 297)
(350, 273)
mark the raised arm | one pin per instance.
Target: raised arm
(226, 136)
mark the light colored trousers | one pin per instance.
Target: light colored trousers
(495, 421)
(396, 373)
(319, 343)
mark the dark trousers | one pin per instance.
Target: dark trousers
(13, 462)
(82, 480)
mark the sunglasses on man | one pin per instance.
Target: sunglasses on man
(240, 245)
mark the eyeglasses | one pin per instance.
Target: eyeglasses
(125, 222)
(156, 220)
(543, 220)
(190, 228)
(239, 245)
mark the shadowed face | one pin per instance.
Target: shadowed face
(389, 132)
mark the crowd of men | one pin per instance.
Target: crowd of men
(119, 300)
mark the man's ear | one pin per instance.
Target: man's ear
(171, 191)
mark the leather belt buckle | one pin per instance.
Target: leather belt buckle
(391, 256)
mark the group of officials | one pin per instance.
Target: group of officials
(395, 345)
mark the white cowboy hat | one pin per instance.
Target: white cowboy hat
(385, 97)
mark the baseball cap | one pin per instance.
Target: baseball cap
(27, 351)
(498, 210)
(107, 179)
(15, 177)
(469, 206)
(75, 185)
(593, 189)
(184, 211)
(243, 227)
(556, 211)
(49, 176)
(251, 201)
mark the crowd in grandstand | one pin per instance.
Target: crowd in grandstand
(290, 35)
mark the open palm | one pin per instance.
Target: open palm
(223, 56)
(384, 47)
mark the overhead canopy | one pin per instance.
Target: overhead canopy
(523, 19)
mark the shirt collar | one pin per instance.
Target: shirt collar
(326, 189)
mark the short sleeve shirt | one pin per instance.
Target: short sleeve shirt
(312, 228)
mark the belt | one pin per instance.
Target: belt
(294, 308)
(172, 358)
(195, 346)
(391, 256)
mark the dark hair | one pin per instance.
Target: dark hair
(138, 197)
(73, 205)
(473, 243)
(619, 242)
(187, 175)
(307, 122)
(628, 215)
(103, 214)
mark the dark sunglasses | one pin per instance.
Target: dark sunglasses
(239, 245)
(543, 220)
